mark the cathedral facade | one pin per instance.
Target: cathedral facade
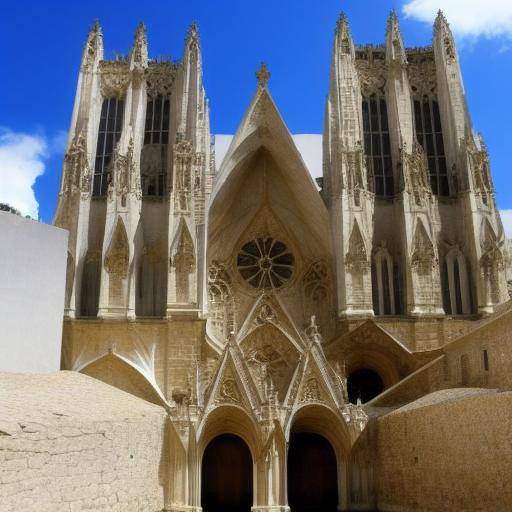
(266, 312)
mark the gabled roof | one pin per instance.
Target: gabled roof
(263, 127)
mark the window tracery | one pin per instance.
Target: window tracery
(377, 144)
(154, 152)
(429, 134)
(109, 133)
(265, 263)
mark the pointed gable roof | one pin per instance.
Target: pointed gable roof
(263, 127)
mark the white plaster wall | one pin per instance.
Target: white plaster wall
(32, 280)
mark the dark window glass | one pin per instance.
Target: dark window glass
(377, 146)
(156, 132)
(486, 360)
(430, 136)
(458, 293)
(109, 132)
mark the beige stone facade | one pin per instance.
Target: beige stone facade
(245, 301)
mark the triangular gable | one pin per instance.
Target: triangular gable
(263, 127)
(232, 384)
(268, 308)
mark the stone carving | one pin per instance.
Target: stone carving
(311, 392)
(221, 302)
(262, 75)
(76, 174)
(125, 179)
(160, 77)
(423, 258)
(114, 78)
(116, 261)
(416, 175)
(93, 44)
(422, 73)
(356, 259)
(372, 76)
(183, 175)
(312, 332)
(315, 282)
(228, 391)
(270, 357)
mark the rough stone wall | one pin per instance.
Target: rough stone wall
(70, 443)
(450, 450)
(467, 364)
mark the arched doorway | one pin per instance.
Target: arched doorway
(226, 475)
(312, 474)
(364, 384)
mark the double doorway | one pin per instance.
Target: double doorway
(227, 476)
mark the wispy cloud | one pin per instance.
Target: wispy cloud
(506, 217)
(22, 160)
(467, 18)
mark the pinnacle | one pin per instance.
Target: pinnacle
(342, 23)
(263, 74)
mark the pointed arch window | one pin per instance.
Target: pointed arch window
(109, 133)
(458, 296)
(383, 283)
(377, 146)
(154, 152)
(430, 135)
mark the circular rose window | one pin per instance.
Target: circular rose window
(265, 263)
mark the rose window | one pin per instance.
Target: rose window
(265, 263)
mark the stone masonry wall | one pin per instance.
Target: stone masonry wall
(450, 450)
(70, 443)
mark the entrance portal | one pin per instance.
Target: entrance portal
(364, 384)
(226, 475)
(312, 474)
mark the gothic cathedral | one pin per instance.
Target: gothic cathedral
(265, 311)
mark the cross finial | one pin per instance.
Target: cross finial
(263, 74)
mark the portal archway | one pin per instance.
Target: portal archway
(226, 475)
(364, 384)
(312, 474)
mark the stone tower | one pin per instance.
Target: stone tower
(247, 302)
(136, 179)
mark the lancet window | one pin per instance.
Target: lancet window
(457, 301)
(109, 133)
(430, 136)
(383, 283)
(377, 146)
(154, 152)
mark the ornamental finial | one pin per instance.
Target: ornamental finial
(263, 74)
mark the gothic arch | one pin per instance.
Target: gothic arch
(183, 266)
(122, 373)
(383, 282)
(229, 419)
(458, 282)
(116, 262)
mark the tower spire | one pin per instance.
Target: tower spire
(93, 48)
(343, 38)
(263, 74)
(139, 51)
(395, 49)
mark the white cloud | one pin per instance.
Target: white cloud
(506, 217)
(21, 162)
(467, 18)
(308, 144)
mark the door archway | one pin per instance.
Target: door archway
(364, 384)
(312, 474)
(226, 475)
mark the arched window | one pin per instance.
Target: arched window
(154, 152)
(383, 283)
(430, 136)
(111, 124)
(458, 286)
(376, 145)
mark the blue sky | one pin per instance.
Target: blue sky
(43, 43)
